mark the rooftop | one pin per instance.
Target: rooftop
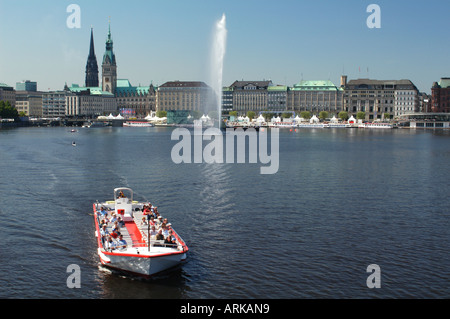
(124, 87)
(183, 84)
(315, 86)
(380, 84)
(258, 84)
(444, 83)
(75, 88)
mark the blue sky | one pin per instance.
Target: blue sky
(285, 41)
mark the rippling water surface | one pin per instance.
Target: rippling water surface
(342, 199)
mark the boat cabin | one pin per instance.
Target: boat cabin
(123, 198)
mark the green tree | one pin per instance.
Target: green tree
(233, 113)
(161, 114)
(343, 115)
(8, 111)
(387, 116)
(196, 114)
(323, 115)
(251, 115)
(213, 115)
(306, 115)
(268, 116)
(286, 115)
(360, 115)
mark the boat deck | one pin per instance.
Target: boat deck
(136, 234)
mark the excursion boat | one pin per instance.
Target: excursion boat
(311, 125)
(376, 125)
(143, 254)
(338, 125)
(137, 124)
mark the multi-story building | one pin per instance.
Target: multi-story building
(250, 95)
(29, 103)
(54, 104)
(26, 85)
(277, 96)
(227, 100)
(82, 101)
(141, 100)
(315, 97)
(440, 96)
(424, 103)
(378, 98)
(7, 93)
(186, 96)
(406, 99)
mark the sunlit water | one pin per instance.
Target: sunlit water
(342, 199)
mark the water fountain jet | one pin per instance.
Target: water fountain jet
(217, 61)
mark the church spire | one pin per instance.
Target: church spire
(91, 65)
(91, 49)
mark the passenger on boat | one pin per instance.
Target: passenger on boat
(158, 222)
(115, 233)
(165, 230)
(116, 228)
(121, 195)
(122, 243)
(153, 233)
(103, 212)
(146, 209)
(120, 222)
(103, 222)
(110, 244)
(170, 240)
(152, 221)
(114, 218)
(104, 234)
(159, 236)
(144, 222)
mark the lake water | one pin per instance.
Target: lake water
(342, 199)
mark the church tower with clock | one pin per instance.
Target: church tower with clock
(109, 67)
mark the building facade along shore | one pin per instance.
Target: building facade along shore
(378, 99)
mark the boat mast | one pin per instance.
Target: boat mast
(148, 233)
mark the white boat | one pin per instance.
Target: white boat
(143, 254)
(311, 125)
(376, 125)
(137, 124)
(281, 124)
(338, 125)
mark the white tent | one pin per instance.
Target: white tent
(111, 117)
(260, 119)
(276, 119)
(119, 117)
(352, 120)
(314, 119)
(334, 119)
